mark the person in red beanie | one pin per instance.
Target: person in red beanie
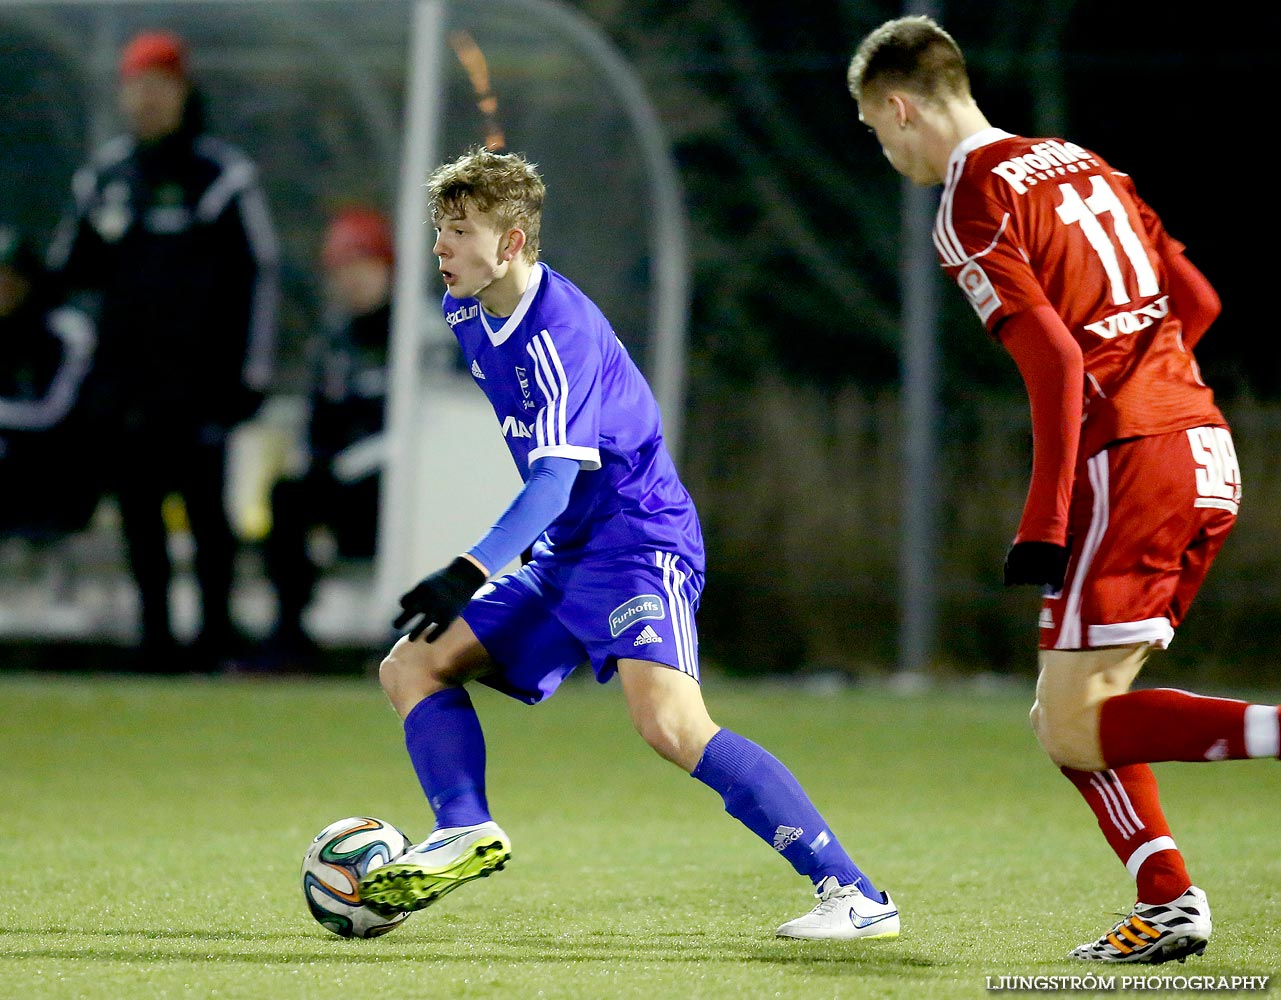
(338, 489)
(170, 235)
(154, 87)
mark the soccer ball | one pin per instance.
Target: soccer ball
(339, 857)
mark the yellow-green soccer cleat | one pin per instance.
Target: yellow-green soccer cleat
(440, 864)
(1155, 932)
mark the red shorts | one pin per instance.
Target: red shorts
(1148, 517)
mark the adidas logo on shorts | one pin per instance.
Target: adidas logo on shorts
(647, 635)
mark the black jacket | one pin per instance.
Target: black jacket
(349, 397)
(174, 242)
(44, 354)
(47, 479)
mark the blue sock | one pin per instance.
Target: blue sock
(763, 795)
(447, 749)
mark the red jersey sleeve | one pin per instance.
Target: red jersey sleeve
(1196, 303)
(1050, 362)
(1195, 300)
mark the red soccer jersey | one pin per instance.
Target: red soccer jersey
(1032, 222)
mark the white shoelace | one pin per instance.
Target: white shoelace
(834, 899)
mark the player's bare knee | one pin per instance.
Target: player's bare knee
(658, 734)
(391, 676)
(1065, 721)
(409, 673)
(1071, 688)
(1037, 718)
(1056, 731)
(1076, 755)
(673, 739)
(392, 669)
(1069, 735)
(666, 707)
(1043, 730)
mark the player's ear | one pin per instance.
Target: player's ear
(902, 109)
(513, 244)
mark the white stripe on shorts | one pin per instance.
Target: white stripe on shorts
(1157, 631)
(1070, 634)
(1229, 505)
(682, 613)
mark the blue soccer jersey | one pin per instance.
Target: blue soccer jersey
(562, 384)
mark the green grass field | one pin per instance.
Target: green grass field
(153, 832)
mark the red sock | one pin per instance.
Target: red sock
(1125, 802)
(1143, 727)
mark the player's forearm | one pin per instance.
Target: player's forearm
(543, 499)
(1053, 371)
(1196, 303)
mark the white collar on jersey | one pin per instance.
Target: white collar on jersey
(522, 307)
(983, 137)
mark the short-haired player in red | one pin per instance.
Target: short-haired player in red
(1135, 482)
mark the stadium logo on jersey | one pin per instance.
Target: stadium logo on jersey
(462, 313)
(1132, 321)
(514, 428)
(1046, 160)
(639, 608)
(476, 372)
(978, 289)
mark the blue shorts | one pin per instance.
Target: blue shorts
(550, 616)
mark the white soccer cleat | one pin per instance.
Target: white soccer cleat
(1155, 932)
(440, 864)
(843, 914)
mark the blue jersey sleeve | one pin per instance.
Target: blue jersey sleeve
(567, 370)
(543, 498)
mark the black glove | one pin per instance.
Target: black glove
(1036, 563)
(439, 598)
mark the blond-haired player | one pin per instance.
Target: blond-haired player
(615, 578)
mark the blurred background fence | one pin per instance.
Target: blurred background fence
(792, 419)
